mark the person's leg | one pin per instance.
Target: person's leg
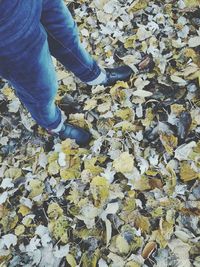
(35, 83)
(64, 41)
(26, 62)
(33, 76)
(65, 46)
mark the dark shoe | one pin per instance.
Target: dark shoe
(69, 105)
(121, 73)
(81, 136)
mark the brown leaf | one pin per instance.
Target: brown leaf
(149, 248)
(155, 183)
(2, 211)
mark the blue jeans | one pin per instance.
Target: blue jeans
(30, 32)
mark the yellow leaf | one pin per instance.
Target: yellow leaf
(116, 91)
(133, 264)
(159, 238)
(53, 168)
(189, 70)
(3, 211)
(27, 221)
(169, 142)
(177, 108)
(151, 172)
(8, 92)
(13, 222)
(13, 173)
(23, 210)
(170, 216)
(53, 156)
(95, 258)
(142, 222)
(117, 260)
(20, 229)
(36, 188)
(125, 114)
(138, 5)
(171, 181)
(124, 163)
(187, 173)
(90, 166)
(54, 211)
(90, 260)
(90, 104)
(119, 84)
(125, 126)
(149, 116)
(122, 245)
(197, 148)
(194, 75)
(99, 187)
(78, 119)
(99, 181)
(192, 3)
(59, 227)
(102, 108)
(64, 238)
(71, 260)
(130, 41)
(69, 173)
(158, 212)
(69, 147)
(141, 184)
(166, 229)
(74, 196)
(190, 53)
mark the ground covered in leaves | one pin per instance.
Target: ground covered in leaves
(132, 197)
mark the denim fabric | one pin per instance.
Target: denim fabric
(30, 32)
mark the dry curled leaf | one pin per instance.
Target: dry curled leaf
(149, 248)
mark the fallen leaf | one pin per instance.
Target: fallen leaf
(142, 93)
(187, 173)
(124, 163)
(149, 248)
(122, 245)
(181, 250)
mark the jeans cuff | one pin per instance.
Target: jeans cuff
(58, 123)
(94, 73)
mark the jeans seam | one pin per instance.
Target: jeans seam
(67, 48)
